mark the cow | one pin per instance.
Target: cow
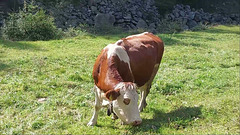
(123, 67)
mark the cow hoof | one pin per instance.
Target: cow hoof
(123, 123)
(91, 123)
(142, 107)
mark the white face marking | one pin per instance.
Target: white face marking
(136, 35)
(127, 113)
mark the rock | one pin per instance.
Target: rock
(172, 16)
(185, 27)
(120, 21)
(103, 20)
(139, 14)
(94, 9)
(191, 24)
(133, 26)
(191, 15)
(190, 18)
(128, 17)
(126, 13)
(218, 18)
(152, 26)
(141, 24)
(182, 13)
(134, 22)
(197, 17)
(176, 14)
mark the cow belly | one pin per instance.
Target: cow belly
(144, 74)
(148, 80)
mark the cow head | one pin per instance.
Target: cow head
(125, 102)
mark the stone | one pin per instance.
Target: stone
(139, 14)
(141, 24)
(218, 18)
(103, 20)
(120, 21)
(185, 27)
(94, 9)
(152, 26)
(176, 14)
(182, 13)
(128, 13)
(128, 17)
(133, 26)
(191, 15)
(197, 17)
(134, 22)
(172, 16)
(191, 24)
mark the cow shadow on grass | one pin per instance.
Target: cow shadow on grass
(176, 119)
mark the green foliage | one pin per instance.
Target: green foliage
(73, 32)
(200, 27)
(166, 26)
(30, 24)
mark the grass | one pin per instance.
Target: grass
(46, 86)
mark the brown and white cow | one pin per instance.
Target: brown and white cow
(120, 69)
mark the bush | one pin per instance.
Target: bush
(73, 32)
(30, 23)
(200, 27)
(167, 26)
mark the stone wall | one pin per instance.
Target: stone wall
(189, 17)
(128, 14)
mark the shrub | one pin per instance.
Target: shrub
(73, 32)
(200, 27)
(30, 23)
(167, 26)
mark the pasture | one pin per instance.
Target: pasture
(46, 86)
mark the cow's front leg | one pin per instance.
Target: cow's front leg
(97, 105)
(143, 102)
(144, 93)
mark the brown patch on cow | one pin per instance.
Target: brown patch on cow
(145, 51)
(112, 94)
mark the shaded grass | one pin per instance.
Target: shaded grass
(196, 90)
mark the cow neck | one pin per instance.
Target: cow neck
(113, 75)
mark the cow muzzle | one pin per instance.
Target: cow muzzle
(136, 123)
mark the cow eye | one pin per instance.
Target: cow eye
(126, 101)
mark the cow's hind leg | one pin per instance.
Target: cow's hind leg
(145, 89)
(98, 102)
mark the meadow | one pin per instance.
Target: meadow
(46, 86)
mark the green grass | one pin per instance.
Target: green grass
(196, 90)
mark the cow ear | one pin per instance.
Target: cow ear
(112, 94)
